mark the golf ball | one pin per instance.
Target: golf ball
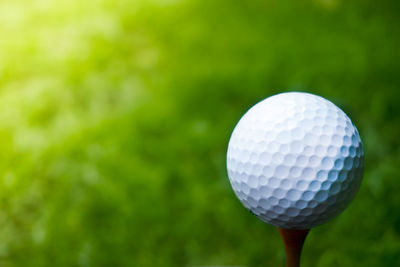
(295, 160)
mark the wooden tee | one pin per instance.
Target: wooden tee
(293, 241)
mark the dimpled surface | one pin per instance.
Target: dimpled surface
(295, 160)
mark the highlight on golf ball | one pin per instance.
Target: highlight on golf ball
(295, 160)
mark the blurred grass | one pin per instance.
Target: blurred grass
(115, 117)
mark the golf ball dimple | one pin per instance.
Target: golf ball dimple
(295, 160)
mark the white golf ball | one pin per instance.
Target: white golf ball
(295, 160)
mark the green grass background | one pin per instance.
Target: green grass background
(115, 118)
